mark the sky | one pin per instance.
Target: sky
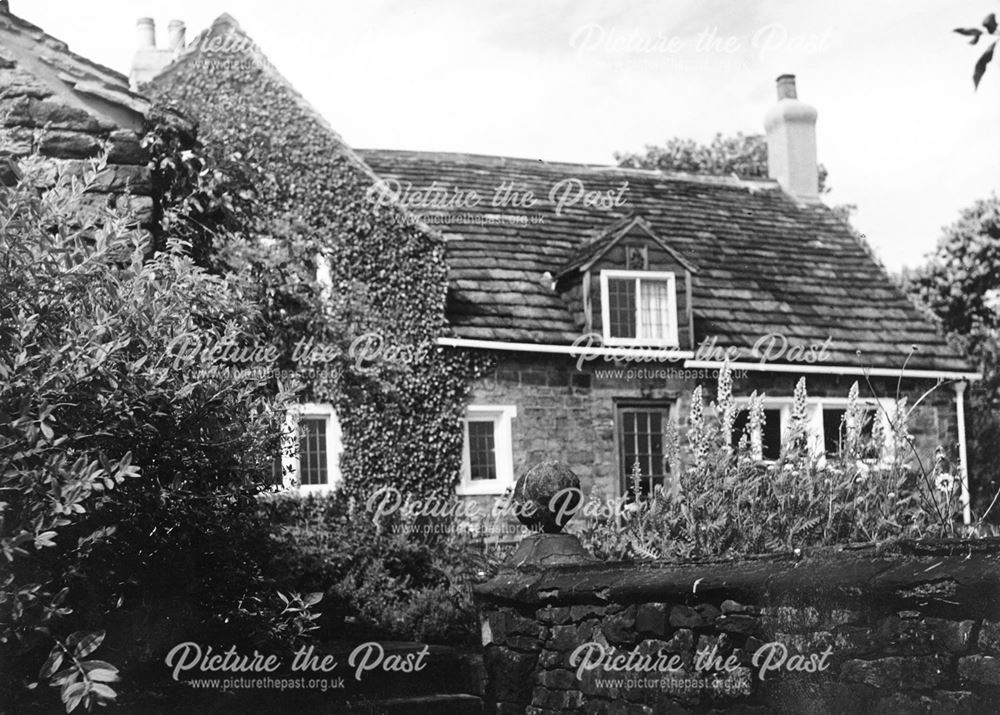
(900, 129)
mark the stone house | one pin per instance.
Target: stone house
(604, 314)
(609, 293)
(602, 294)
(605, 294)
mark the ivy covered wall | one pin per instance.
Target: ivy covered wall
(401, 422)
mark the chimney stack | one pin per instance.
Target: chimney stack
(175, 33)
(791, 142)
(146, 33)
(149, 60)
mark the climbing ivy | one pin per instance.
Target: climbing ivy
(401, 421)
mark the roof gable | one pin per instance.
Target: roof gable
(306, 177)
(593, 250)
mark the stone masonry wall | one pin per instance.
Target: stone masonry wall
(912, 630)
(568, 414)
(36, 120)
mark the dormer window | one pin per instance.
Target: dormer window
(639, 308)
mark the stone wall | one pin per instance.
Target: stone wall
(568, 414)
(69, 111)
(914, 629)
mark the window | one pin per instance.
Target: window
(767, 443)
(835, 431)
(482, 449)
(641, 431)
(487, 455)
(311, 448)
(824, 417)
(313, 453)
(639, 308)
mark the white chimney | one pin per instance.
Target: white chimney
(175, 33)
(791, 142)
(146, 33)
(149, 60)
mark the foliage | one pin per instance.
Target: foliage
(743, 154)
(961, 281)
(724, 500)
(960, 284)
(989, 23)
(401, 419)
(89, 400)
(81, 682)
(379, 582)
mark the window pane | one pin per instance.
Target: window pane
(653, 313)
(621, 307)
(770, 439)
(740, 422)
(834, 430)
(312, 451)
(482, 450)
(641, 441)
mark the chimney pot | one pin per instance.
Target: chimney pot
(175, 32)
(146, 32)
(786, 87)
(791, 142)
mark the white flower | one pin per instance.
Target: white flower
(863, 470)
(945, 482)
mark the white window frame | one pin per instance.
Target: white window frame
(502, 417)
(671, 279)
(290, 446)
(884, 409)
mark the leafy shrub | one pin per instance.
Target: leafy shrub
(722, 499)
(378, 582)
(127, 486)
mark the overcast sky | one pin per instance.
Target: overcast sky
(900, 129)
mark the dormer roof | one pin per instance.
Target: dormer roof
(594, 249)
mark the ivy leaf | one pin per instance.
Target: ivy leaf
(981, 65)
(972, 32)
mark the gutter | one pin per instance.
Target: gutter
(813, 369)
(643, 354)
(671, 354)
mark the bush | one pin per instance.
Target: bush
(127, 485)
(723, 500)
(379, 583)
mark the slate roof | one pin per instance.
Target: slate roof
(767, 263)
(38, 68)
